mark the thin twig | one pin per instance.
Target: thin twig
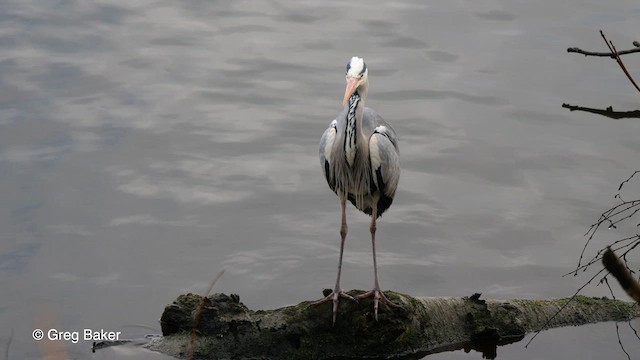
(634, 329)
(610, 217)
(604, 279)
(6, 349)
(620, 342)
(619, 60)
(628, 179)
(598, 256)
(196, 322)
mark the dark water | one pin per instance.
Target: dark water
(146, 145)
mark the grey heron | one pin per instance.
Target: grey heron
(359, 156)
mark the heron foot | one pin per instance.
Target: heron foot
(334, 296)
(378, 296)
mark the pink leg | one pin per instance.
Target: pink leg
(376, 293)
(337, 292)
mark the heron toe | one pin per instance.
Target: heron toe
(334, 297)
(378, 296)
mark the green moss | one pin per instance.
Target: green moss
(581, 299)
(190, 301)
(408, 337)
(623, 306)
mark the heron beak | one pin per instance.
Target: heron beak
(352, 85)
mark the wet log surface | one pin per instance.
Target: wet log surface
(229, 330)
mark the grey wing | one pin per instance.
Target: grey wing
(384, 152)
(385, 164)
(326, 147)
(371, 120)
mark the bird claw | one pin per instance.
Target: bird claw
(334, 296)
(378, 296)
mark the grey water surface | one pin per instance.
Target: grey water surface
(145, 145)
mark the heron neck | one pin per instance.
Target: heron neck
(354, 100)
(353, 130)
(363, 90)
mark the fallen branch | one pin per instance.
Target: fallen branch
(228, 329)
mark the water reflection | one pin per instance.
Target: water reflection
(488, 348)
(144, 145)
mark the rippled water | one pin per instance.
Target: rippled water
(145, 145)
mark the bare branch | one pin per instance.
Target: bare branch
(611, 54)
(613, 50)
(634, 329)
(614, 256)
(628, 179)
(608, 112)
(620, 342)
(602, 54)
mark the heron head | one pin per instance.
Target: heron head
(357, 75)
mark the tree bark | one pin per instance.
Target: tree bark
(229, 330)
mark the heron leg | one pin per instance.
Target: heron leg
(337, 292)
(376, 293)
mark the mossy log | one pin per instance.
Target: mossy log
(229, 330)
